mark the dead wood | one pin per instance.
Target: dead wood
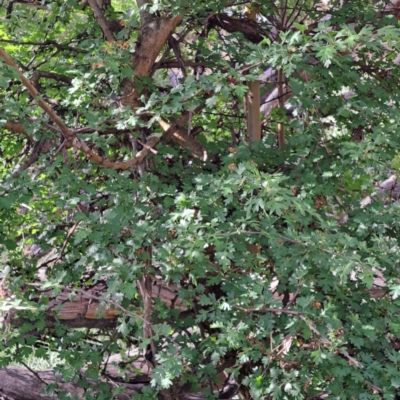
(86, 310)
(21, 384)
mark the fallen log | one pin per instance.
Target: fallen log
(89, 309)
(22, 384)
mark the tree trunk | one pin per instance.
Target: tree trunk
(253, 96)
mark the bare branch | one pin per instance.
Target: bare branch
(35, 94)
(39, 147)
(104, 25)
(37, 75)
(69, 135)
(178, 64)
(154, 34)
(281, 125)
(270, 310)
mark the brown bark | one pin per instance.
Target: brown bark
(253, 95)
(104, 25)
(85, 310)
(154, 34)
(253, 111)
(17, 127)
(281, 125)
(174, 131)
(250, 29)
(21, 384)
(34, 93)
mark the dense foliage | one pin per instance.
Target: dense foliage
(150, 181)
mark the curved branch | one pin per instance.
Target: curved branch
(38, 74)
(171, 131)
(17, 127)
(250, 29)
(69, 135)
(35, 94)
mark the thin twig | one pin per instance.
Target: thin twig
(36, 96)
(147, 147)
(301, 316)
(57, 151)
(46, 43)
(33, 373)
(70, 136)
(352, 360)
(281, 124)
(69, 234)
(270, 310)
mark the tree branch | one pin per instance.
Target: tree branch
(250, 29)
(46, 43)
(37, 75)
(104, 25)
(17, 127)
(70, 136)
(352, 360)
(300, 315)
(36, 96)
